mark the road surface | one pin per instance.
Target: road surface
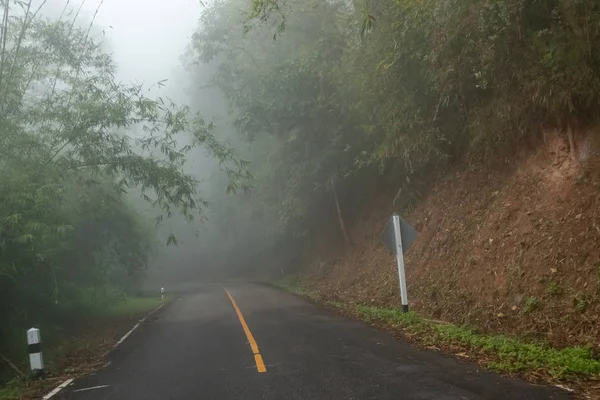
(252, 342)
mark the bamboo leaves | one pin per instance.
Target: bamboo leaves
(74, 142)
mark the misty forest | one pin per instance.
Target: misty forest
(292, 116)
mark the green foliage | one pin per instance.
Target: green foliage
(63, 339)
(264, 11)
(510, 354)
(410, 319)
(351, 91)
(73, 143)
(531, 304)
(13, 390)
(290, 284)
(554, 289)
(289, 107)
(582, 302)
(131, 306)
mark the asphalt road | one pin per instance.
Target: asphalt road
(199, 348)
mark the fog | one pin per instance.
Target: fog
(147, 37)
(147, 40)
(177, 199)
(149, 144)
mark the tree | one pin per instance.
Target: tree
(288, 100)
(341, 95)
(73, 141)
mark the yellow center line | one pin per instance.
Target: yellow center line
(260, 365)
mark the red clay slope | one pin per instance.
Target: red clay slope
(513, 249)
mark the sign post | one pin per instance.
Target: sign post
(398, 237)
(400, 261)
(36, 361)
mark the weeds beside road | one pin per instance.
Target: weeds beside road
(78, 349)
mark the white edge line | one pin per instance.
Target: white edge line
(136, 326)
(127, 335)
(91, 388)
(58, 389)
(69, 381)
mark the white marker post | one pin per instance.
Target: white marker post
(162, 293)
(36, 361)
(400, 260)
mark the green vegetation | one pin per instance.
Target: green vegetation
(80, 335)
(581, 302)
(508, 354)
(332, 99)
(327, 100)
(531, 304)
(554, 289)
(13, 390)
(78, 149)
(133, 306)
(289, 283)
(61, 337)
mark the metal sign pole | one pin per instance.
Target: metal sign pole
(400, 260)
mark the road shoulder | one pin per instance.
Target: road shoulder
(534, 362)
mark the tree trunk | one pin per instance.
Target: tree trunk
(339, 213)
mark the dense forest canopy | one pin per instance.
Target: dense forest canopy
(76, 145)
(329, 98)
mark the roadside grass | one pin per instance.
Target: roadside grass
(132, 306)
(89, 323)
(86, 335)
(499, 353)
(509, 354)
(13, 390)
(290, 284)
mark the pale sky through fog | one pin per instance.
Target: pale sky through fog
(147, 37)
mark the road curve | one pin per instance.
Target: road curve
(205, 346)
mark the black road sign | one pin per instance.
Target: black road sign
(407, 232)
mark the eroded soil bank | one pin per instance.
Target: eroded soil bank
(510, 248)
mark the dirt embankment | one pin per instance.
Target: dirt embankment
(512, 249)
